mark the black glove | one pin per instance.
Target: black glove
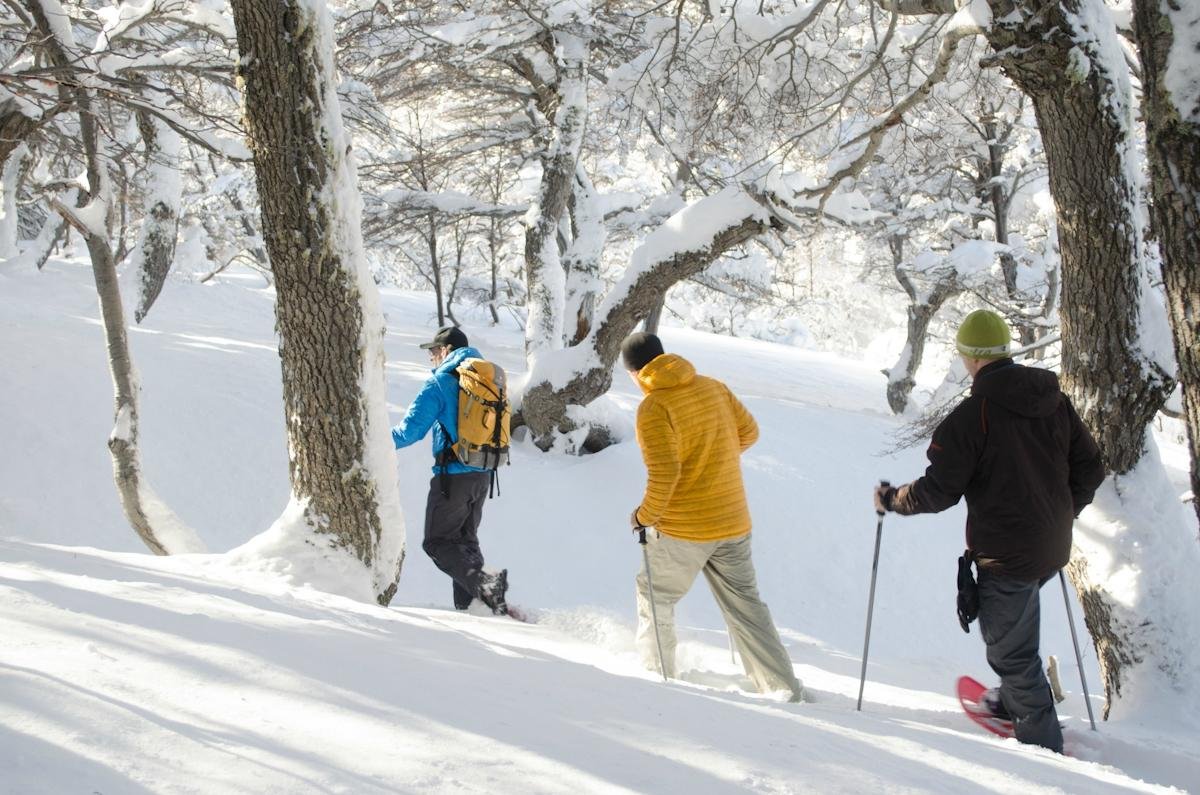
(884, 493)
(968, 592)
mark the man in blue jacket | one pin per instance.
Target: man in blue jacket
(456, 492)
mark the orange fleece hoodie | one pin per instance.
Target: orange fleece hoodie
(692, 432)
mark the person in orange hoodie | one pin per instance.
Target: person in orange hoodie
(692, 432)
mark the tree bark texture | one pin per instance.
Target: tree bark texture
(1115, 387)
(1110, 630)
(1082, 107)
(1173, 147)
(544, 406)
(310, 228)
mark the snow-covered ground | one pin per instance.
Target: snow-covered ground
(125, 673)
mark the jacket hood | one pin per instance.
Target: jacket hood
(665, 371)
(456, 358)
(1027, 391)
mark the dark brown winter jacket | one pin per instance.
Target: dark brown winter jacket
(1025, 462)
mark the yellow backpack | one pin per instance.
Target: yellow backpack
(483, 415)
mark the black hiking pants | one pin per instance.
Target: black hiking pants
(1010, 623)
(452, 530)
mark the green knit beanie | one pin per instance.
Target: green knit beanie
(983, 335)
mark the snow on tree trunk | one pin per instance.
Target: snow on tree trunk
(343, 530)
(544, 273)
(9, 184)
(160, 222)
(683, 246)
(1134, 567)
(1168, 42)
(582, 259)
(154, 523)
(1067, 58)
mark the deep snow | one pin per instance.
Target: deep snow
(121, 672)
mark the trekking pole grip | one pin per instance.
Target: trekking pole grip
(883, 484)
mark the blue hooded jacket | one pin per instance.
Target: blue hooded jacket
(436, 407)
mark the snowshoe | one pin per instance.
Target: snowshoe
(492, 589)
(972, 695)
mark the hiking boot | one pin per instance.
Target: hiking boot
(992, 702)
(492, 588)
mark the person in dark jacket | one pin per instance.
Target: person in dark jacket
(1017, 450)
(457, 491)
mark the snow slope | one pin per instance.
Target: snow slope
(121, 672)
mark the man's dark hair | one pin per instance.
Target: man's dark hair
(639, 349)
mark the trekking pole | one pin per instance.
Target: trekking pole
(1075, 640)
(862, 680)
(653, 610)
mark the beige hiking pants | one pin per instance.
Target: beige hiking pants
(674, 564)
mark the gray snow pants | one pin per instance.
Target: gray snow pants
(674, 564)
(452, 530)
(1009, 621)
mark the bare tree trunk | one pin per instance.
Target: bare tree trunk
(1083, 109)
(327, 311)
(461, 237)
(1173, 146)
(494, 184)
(544, 273)
(141, 508)
(494, 263)
(654, 318)
(121, 209)
(992, 190)
(435, 268)
(921, 309)
(245, 218)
